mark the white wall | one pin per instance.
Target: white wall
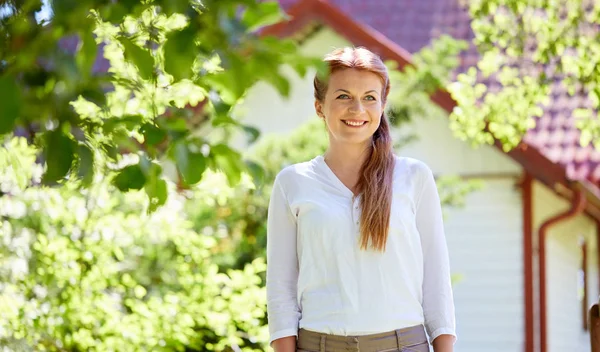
(484, 241)
(445, 154)
(563, 258)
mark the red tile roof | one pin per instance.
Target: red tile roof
(557, 137)
(412, 24)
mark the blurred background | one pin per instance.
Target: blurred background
(140, 141)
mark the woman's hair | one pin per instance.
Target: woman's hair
(375, 180)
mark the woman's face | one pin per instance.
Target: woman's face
(352, 107)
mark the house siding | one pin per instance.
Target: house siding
(485, 245)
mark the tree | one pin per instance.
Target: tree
(176, 67)
(527, 46)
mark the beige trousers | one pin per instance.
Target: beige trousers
(412, 339)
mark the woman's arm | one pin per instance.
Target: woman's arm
(438, 301)
(285, 344)
(444, 343)
(282, 269)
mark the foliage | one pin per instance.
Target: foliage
(412, 87)
(90, 270)
(431, 69)
(176, 66)
(527, 47)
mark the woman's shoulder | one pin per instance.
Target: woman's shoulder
(414, 167)
(297, 171)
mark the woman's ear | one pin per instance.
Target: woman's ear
(319, 109)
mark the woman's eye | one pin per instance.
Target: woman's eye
(343, 96)
(370, 97)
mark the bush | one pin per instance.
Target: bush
(92, 270)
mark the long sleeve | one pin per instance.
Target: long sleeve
(438, 301)
(282, 267)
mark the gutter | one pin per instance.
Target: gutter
(578, 205)
(527, 203)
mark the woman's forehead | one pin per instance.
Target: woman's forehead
(355, 80)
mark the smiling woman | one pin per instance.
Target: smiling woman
(351, 97)
(356, 252)
(352, 105)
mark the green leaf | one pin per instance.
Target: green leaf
(180, 53)
(191, 165)
(240, 73)
(252, 132)
(60, 151)
(114, 13)
(129, 122)
(156, 188)
(64, 6)
(256, 171)
(302, 64)
(110, 150)
(11, 104)
(94, 94)
(86, 164)
(221, 110)
(280, 83)
(262, 14)
(141, 58)
(177, 124)
(170, 7)
(130, 177)
(87, 52)
(130, 5)
(152, 134)
(229, 161)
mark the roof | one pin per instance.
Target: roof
(551, 151)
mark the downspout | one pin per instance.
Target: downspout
(526, 192)
(577, 207)
(584, 301)
(598, 251)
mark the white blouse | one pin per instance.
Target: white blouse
(319, 279)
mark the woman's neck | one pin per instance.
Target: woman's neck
(347, 159)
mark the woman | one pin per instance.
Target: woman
(356, 252)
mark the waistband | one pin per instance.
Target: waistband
(400, 339)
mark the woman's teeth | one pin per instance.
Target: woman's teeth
(355, 123)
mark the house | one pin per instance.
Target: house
(526, 245)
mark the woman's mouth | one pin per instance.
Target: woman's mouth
(354, 123)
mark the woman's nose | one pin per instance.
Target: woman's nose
(356, 107)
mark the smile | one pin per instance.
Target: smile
(354, 123)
